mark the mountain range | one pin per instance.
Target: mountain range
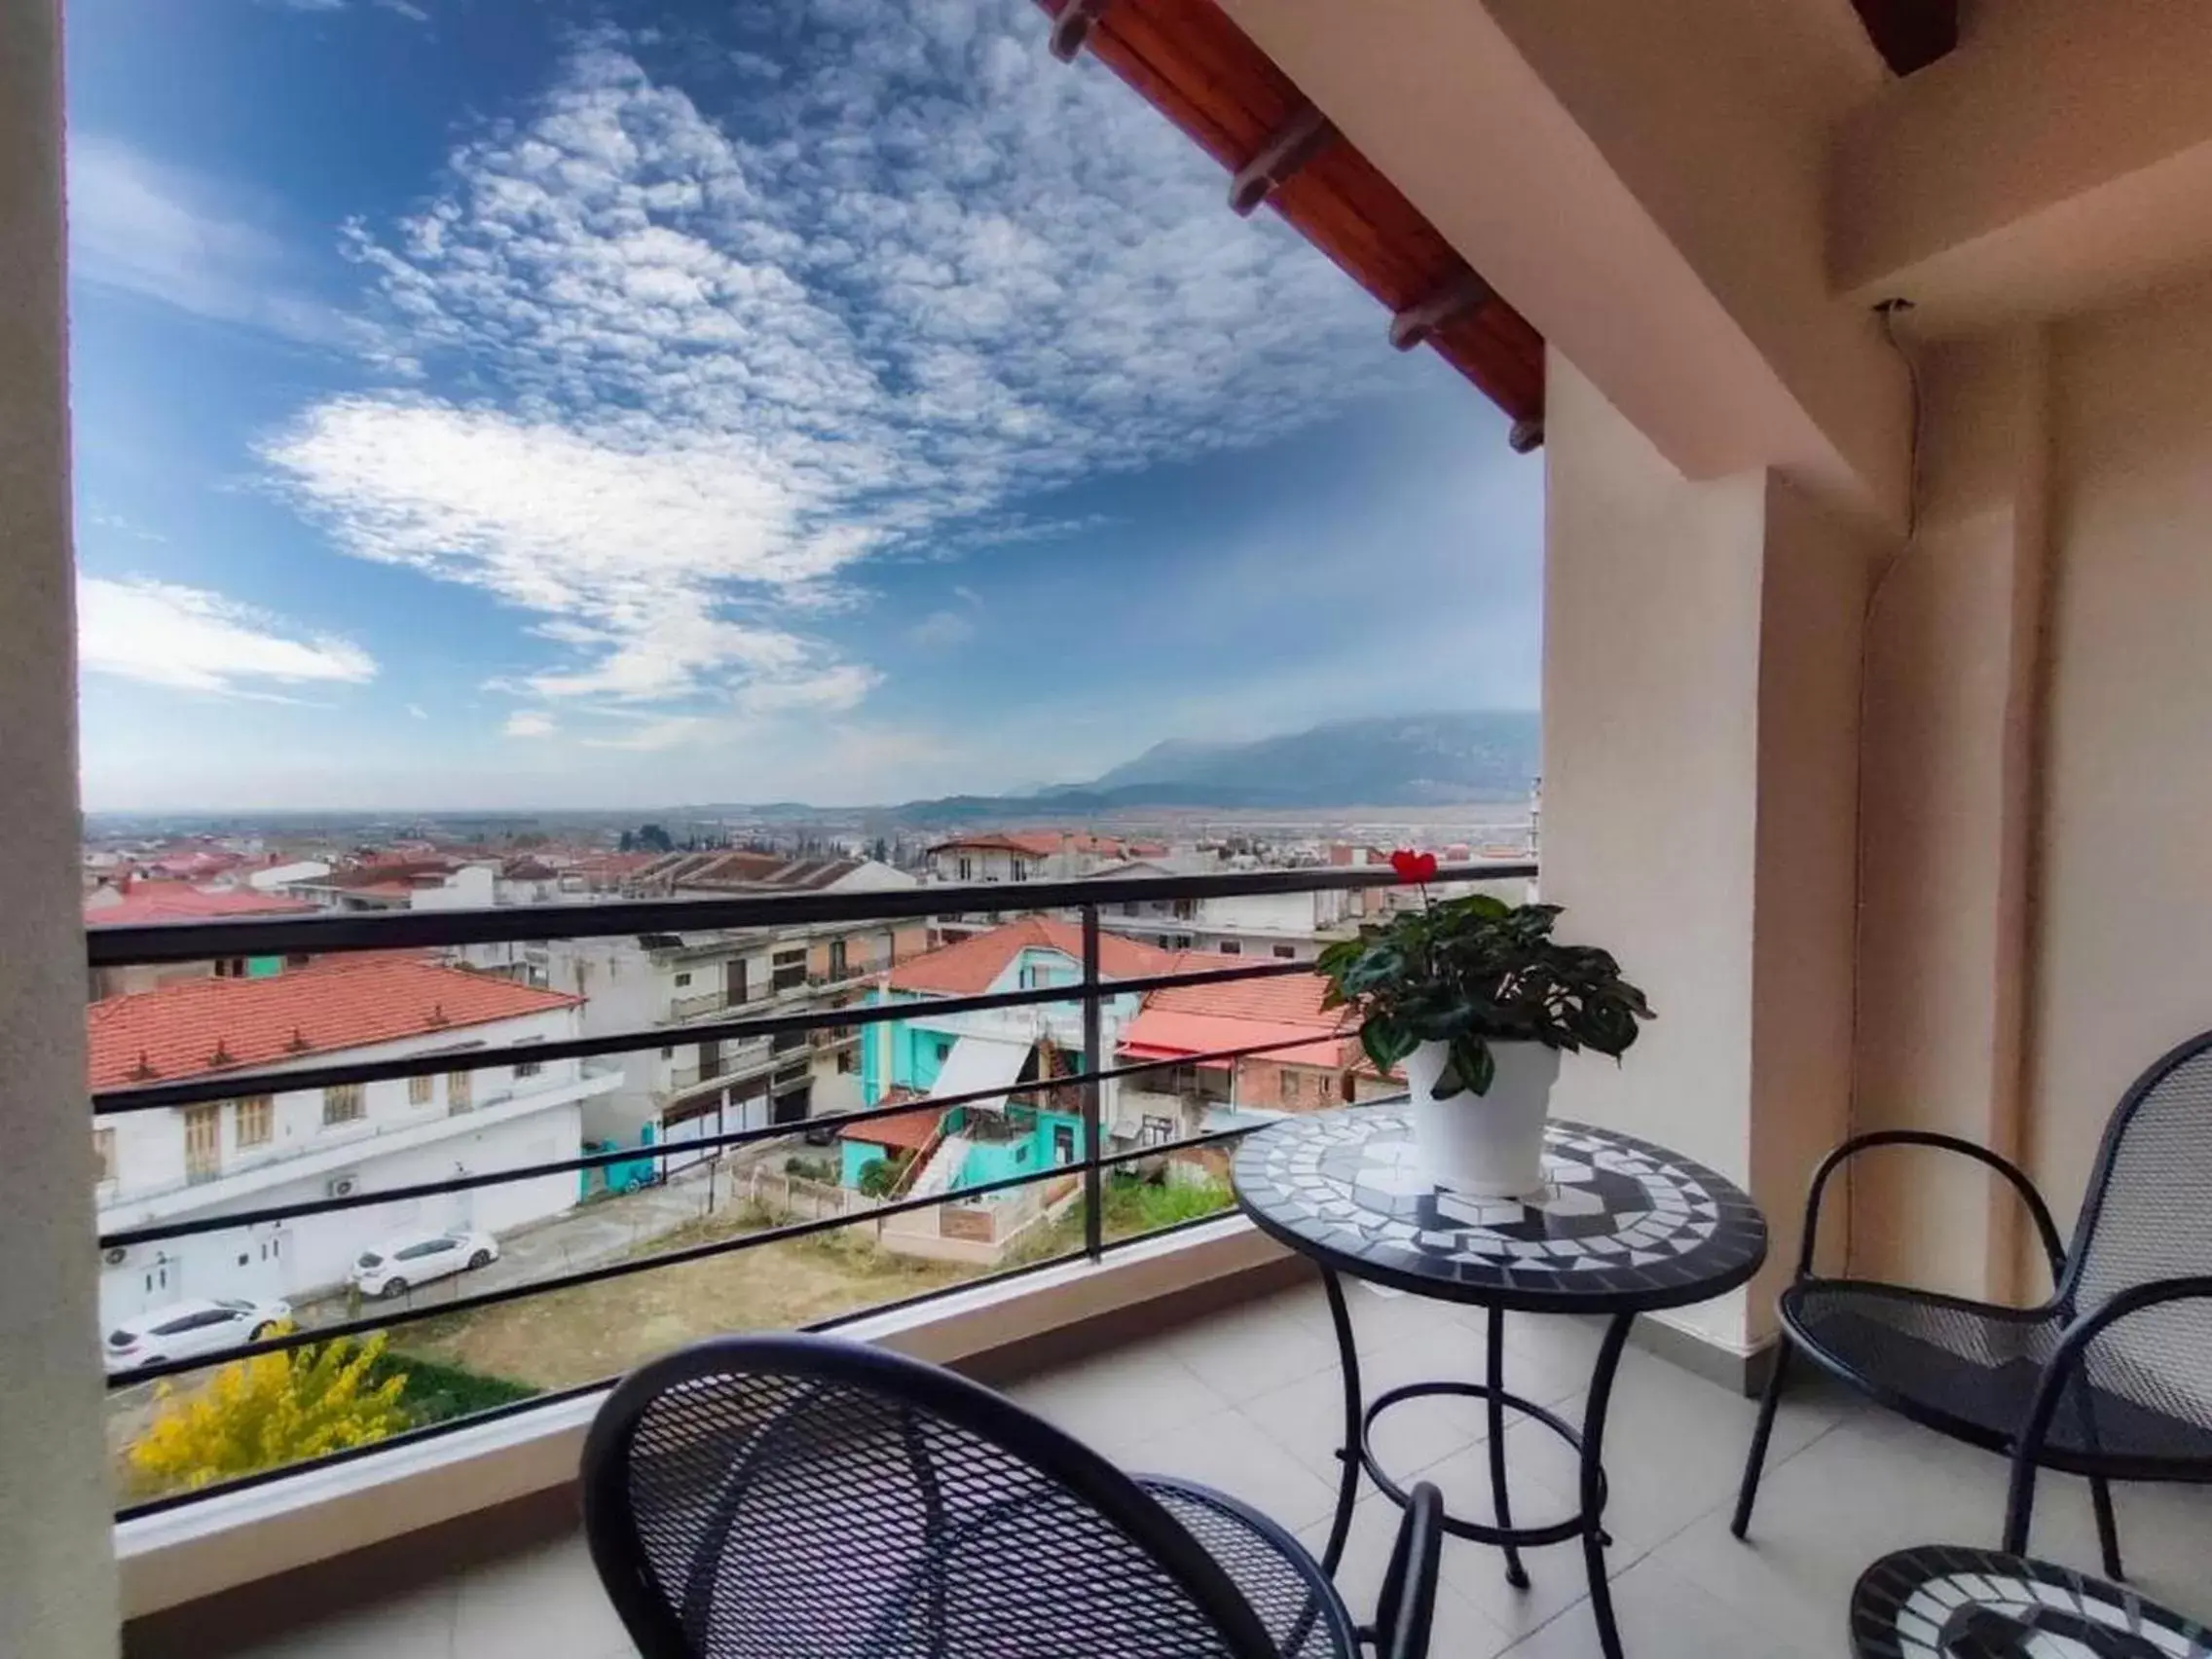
(1485, 755)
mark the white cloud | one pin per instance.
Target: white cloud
(704, 339)
(530, 722)
(164, 234)
(941, 630)
(187, 638)
(416, 711)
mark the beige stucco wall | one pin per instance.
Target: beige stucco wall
(1954, 669)
(2124, 929)
(58, 1586)
(1700, 708)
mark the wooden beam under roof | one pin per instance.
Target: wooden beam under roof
(1203, 72)
(1909, 34)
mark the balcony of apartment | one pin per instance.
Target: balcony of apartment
(1875, 733)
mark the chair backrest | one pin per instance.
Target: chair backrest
(758, 1497)
(2147, 1212)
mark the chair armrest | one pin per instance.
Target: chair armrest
(1408, 1588)
(2027, 1452)
(2046, 1229)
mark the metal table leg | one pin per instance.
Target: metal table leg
(1494, 1335)
(1349, 1453)
(1594, 1538)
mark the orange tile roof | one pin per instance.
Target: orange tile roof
(178, 901)
(901, 1131)
(1158, 1034)
(968, 968)
(1292, 997)
(1195, 1020)
(336, 1003)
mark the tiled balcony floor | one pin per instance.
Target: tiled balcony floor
(1248, 1402)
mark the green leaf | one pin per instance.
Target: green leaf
(1386, 1043)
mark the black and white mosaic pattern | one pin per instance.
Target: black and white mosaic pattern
(1940, 1599)
(1620, 1223)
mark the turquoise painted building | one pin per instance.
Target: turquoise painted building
(913, 1053)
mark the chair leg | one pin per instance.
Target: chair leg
(2108, 1529)
(1755, 1463)
(2020, 1506)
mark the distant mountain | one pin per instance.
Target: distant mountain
(1399, 760)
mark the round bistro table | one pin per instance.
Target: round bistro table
(1948, 1601)
(1621, 1227)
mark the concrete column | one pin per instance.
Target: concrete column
(58, 1586)
(1953, 686)
(1701, 665)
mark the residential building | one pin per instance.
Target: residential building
(1324, 1065)
(925, 1054)
(1035, 855)
(127, 902)
(270, 1149)
(1285, 926)
(689, 1091)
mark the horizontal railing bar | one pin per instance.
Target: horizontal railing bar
(155, 1234)
(569, 1282)
(1212, 1138)
(410, 930)
(554, 1396)
(229, 1085)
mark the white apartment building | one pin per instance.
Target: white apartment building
(1290, 926)
(267, 1149)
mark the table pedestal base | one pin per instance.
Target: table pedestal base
(1357, 1454)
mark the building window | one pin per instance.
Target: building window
(1290, 1087)
(230, 967)
(847, 1062)
(202, 1141)
(345, 1103)
(1230, 947)
(681, 981)
(1020, 870)
(967, 870)
(461, 1087)
(783, 1042)
(528, 1068)
(419, 1091)
(838, 967)
(103, 1153)
(1156, 1131)
(1288, 953)
(255, 1121)
(787, 969)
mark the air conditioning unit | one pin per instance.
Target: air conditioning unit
(342, 1186)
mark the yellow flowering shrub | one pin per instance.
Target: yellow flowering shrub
(270, 1410)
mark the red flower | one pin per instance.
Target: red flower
(1412, 865)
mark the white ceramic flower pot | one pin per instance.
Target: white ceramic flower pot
(1488, 1146)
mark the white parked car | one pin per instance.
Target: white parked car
(184, 1329)
(410, 1259)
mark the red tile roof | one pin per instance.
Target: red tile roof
(178, 901)
(900, 1131)
(966, 969)
(1037, 843)
(203, 1025)
(1196, 1019)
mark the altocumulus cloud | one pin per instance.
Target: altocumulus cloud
(725, 335)
(166, 634)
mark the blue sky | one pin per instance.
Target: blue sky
(512, 403)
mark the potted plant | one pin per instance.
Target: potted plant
(1479, 1000)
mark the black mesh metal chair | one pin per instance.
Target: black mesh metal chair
(801, 1497)
(2110, 1378)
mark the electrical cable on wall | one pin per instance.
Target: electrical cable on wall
(1887, 311)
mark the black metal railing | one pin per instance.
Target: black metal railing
(357, 932)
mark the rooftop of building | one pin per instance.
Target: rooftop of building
(142, 901)
(198, 1026)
